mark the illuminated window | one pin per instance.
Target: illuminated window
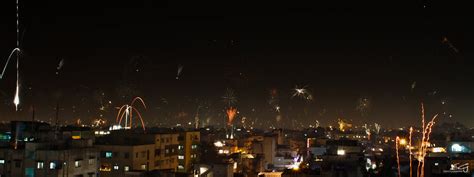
(52, 165)
(143, 166)
(105, 167)
(126, 168)
(91, 161)
(180, 147)
(456, 148)
(2, 161)
(167, 151)
(77, 163)
(180, 167)
(39, 165)
(108, 154)
(193, 146)
(116, 167)
(181, 157)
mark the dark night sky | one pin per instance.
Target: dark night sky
(341, 51)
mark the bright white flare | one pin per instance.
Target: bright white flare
(16, 100)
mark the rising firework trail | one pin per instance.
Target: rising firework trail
(425, 141)
(127, 112)
(409, 151)
(425, 144)
(397, 143)
(16, 99)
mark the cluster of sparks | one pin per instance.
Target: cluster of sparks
(422, 150)
(363, 106)
(98, 122)
(274, 101)
(343, 125)
(302, 93)
(127, 112)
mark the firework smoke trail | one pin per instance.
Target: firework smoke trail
(409, 150)
(231, 112)
(397, 140)
(60, 65)
(180, 68)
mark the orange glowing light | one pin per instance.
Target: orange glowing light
(127, 112)
(231, 112)
(397, 143)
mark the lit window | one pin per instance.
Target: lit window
(108, 154)
(457, 148)
(180, 167)
(181, 157)
(105, 167)
(126, 168)
(194, 146)
(39, 165)
(91, 161)
(143, 166)
(116, 167)
(77, 163)
(167, 151)
(180, 147)
(52, 165)
(2, 161)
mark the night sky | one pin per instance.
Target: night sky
(341, 53)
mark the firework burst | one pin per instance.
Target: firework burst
(363, 106)
(229, 97)
(303, 93)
